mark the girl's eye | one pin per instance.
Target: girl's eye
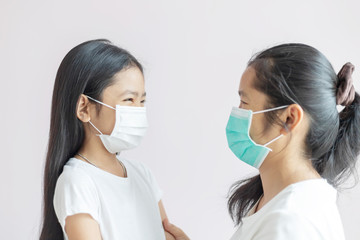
(129, 99)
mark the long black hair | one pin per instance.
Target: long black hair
(87, 69)
(298, 73)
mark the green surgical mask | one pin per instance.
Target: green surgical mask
(239, 140)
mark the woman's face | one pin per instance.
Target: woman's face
(128, 89)
(254, 100)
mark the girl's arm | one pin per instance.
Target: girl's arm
(82, 227)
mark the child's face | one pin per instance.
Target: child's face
(128, 89)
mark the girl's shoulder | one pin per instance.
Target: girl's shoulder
(75, 192)
(74, 173)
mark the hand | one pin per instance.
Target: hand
(168, 236)
(176, 232)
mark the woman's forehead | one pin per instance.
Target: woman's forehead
(246, 86)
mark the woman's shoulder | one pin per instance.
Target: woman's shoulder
(310, 194)
(306, 202)
(303, 199)
(291, 223)
(306, 192)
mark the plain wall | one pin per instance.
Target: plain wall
(194, 53)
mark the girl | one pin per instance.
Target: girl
(288, 126)
(90, 192)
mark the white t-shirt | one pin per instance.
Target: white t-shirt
(304, 210)
(125, 208)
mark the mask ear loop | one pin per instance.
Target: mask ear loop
(273, 140)
(96, 128)
(269, 110)
(101, 102)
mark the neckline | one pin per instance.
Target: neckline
(256, 206)
(101, 171)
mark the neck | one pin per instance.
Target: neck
(93, 149)
(278, 172)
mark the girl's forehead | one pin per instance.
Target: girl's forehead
(129, 81)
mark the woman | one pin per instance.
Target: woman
(90, 192)
(288, 126)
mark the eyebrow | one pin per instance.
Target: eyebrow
(132, 93)
(242, 93)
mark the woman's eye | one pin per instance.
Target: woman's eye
(129, 99)
(242, 102)
(143, 101)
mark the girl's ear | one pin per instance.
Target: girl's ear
(293, 116)
(83, 109)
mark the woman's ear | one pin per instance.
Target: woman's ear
(293, 116)
(83, 109)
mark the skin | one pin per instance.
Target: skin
(128, 90)
(286, 164)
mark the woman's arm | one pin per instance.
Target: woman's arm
(162, 210)
(163, 217)
(176, 232)
(171, 231)
(82, 227)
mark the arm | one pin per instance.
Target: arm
(82, 227)
(162, 210)
(168, 236)
(171, 231)
(176, 232)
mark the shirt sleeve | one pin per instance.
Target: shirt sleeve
(283, 225)
(75, 193)
(158, 193)
(150, 178)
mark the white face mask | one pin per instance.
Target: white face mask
(129, 129)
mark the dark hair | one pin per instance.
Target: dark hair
(87, 69)
(297, 73)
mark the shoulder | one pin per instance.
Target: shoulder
(285, 217)
(312, 197)
(75, 192)
(75, 179)
(305, 210)
(284, 224)
(306, 197)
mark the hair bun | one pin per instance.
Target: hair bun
(345, 94)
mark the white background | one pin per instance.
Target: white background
(194, 53)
